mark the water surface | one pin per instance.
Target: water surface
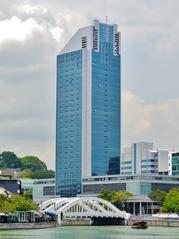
(93, 232)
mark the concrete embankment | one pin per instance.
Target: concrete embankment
(38, 225)
(76, 222)
(159, 223)
(91, 221)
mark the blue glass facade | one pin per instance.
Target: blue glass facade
(105, 105)
(88, 108)
(68, 123)
(175, 163)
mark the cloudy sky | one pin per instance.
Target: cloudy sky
(32, 32)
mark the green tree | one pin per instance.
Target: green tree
(2, 200)
(9, 160)
(119, 199)
(26, 173)
(31, 166)
(38, 174)
(1, 162)
(28, 194)
(158, 196)
(33, 163)
(17, 203)
(23, 204)
(171, 202)
(106, 195)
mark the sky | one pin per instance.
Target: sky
(32, 33)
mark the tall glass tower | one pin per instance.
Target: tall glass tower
(88, 107)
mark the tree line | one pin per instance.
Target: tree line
(13, 203)
(30, 166)
(168, 201)
(118, 199)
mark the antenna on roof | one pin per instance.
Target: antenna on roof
(106, 20)
(106, 29)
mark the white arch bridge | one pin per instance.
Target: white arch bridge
(83, 207)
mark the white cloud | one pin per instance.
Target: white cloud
(16, 29)
(56, 33)
(30, 9)
(7, 103)
(154, 122)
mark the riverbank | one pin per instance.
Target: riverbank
(158, 223)
(37, 225)
(82, 222)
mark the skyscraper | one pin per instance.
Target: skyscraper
(88, 107)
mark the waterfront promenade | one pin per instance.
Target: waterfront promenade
(24, 226)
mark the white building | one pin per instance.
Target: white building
(140, 158)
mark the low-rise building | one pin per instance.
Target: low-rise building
(175, 163)
(140, 158)
(42, 189)
(9, 184)
(139, 185)
(136, 184)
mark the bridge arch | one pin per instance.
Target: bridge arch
(84, 207)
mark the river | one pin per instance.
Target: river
(93, 232)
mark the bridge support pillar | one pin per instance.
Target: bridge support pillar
(60, 216)
(140, 208)
(134, 208)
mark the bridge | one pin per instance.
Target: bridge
(82, 207)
